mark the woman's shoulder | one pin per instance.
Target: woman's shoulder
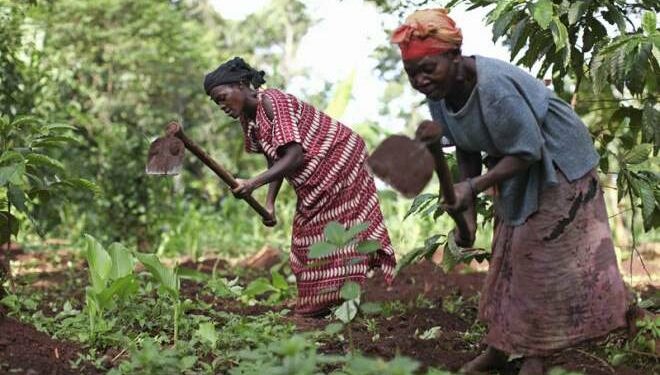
(498, 79)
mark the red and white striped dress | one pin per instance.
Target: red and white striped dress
(331, 185)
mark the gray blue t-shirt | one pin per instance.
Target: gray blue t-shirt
(509, 112)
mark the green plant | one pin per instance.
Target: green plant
(277, 288)
(169, 283)
(151, 358)
(642, 345)
(111, 277)
(337, 237)
(31, 181)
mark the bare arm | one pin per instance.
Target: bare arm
(506, 168)
(273, 190)
(469, 165)
(292, 159)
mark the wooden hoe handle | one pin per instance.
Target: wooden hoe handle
(431, 135)
(177, 131)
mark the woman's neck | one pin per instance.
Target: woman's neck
(250, 107)
(466, 79)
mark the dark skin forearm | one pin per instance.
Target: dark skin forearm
(506, 168)
(273, 189)
(291, 160)
(469, 165)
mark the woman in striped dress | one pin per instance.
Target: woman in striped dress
(324, 161)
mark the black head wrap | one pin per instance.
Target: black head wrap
(235, 70)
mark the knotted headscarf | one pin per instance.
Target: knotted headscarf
(235, 70)
(427, 32)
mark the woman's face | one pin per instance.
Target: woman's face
(433, 76)
(231, 98)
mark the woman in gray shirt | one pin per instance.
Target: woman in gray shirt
(553, 279)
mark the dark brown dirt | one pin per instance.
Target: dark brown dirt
(421, 298)
(24, 350)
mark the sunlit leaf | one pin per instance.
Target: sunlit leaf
(543, 13)
(355, 230)
(334, 328)
(638, 154)
(347, 311)
(167, 277)
(207, 333)
(371, 308)
(320, 250)
(99, 261)
(350, 290)
(17, 198)
(368, 246)
(334, 233)
(122, 261)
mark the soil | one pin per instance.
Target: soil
(24, 350)
(428, 314)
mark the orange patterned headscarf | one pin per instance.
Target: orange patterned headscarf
(427, 32)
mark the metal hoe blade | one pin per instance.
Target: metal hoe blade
(165, 156)
(403, 163)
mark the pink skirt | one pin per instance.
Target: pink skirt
(554, 281)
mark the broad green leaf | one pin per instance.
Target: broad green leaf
(17, 198)
(649, 22)
(638, 154)
(191, 274)
(320, 250)
(207, 333)
(347, 311)
(84, 184)
(368, 246)
(334, 233)
(22, 121)
(167, 277)
(99, 263)
(559, 34)
(403, 365)
(258, 287)
(12, 173)
(501, 7)
(576, 11)
(54, 141)
(644, 190)
(371, 308)
(60, 127)
(420, 202)
(120, 288)
(355, 230)
(502, 25)
(430, 246)
(279, 281)
(11, 157)
(8, 226)
(450, 255)
(519, 37)
(40, 160)
(350, 290)
(122, 261)
(543, 13)
(334, 328)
